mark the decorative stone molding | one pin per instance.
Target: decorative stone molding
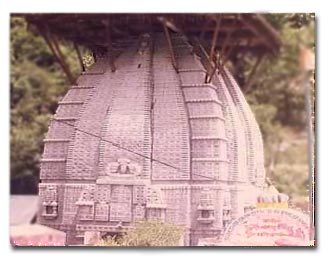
(86, 204)
(155, 198)
(50, 204)
(205, 207)
(123, 166)
(156, 208)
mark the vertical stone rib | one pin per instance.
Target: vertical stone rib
(83, 153)
(127, 122)
(171, 131)
(255, 156)
(235, 134)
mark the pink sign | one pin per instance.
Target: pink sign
(269, 227)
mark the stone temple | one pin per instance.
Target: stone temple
(151, 142)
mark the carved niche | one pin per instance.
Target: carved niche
(121, 203)
(102, 204)
(86, 204)
(50, 204)
(156, 208)
(205, 207)
(226, 213)
(139, 202)
(102, 211)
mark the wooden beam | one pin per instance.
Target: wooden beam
(79, 57)
(250, 23)
(109, 45)
(226, 43)
(169, 24)
(250, 79)
(202, 33)
(227, 54)
(274, 35)
(62, 59)
(214, 42)
(217, 64)
(215, 37)
(201, 52)
(53, 45)
(170, 47)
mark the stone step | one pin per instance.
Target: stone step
(208, 138)
(210, 159)
(54, 160)
(70, 103)
(203, 101)
(56, 140)
(199, 85)
(207, 117)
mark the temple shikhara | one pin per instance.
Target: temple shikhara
(157, 128)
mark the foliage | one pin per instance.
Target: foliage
(36, 83)
(148, 233)
(278, 101)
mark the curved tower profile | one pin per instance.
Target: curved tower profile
(150, 142)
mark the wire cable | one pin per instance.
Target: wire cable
(132, 151)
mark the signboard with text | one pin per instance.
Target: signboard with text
(269, 227)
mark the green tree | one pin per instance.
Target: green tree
(278, 101)
(148, 233)
(36, 83)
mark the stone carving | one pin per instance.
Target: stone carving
(102, 211)
(139, 195)
(92, 238)
(184, 150)
(121, 203)
(144, 44)
(86, 204)
(139, 212)
(156, 208)
(206, 207)
(50, 204)
(123, 166)
(226, 212)
(155, 198)
(86, 211)
(271, 197)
